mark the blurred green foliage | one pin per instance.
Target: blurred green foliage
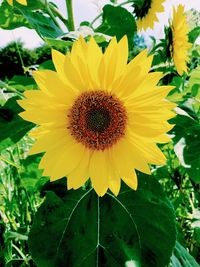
(14, 58)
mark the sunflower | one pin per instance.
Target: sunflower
(99, 117)
(180, 44)
(146, 13)
(22, 2)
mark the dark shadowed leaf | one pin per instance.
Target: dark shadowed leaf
(12, 126)
(78, 228)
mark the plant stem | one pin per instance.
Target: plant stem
(95, 19)
(9, 162)
(59, 15)
(10, 88)
(51, 14)
(70, 15)
(126, 2)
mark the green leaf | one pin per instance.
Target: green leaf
(22, 83)
(117, 21)
(194, 34)
(15, 235)
(34, 15)
(59, 44)
(81, 229)
(181, 258)
(42, 24)
(47, 65)
(194, 83)
(12, 126)
(187, 143)
(10, 18)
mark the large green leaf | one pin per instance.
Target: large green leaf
(12, 126)
(187, 143)
(194, 34)
(34, 15)
(181, 258)
(117, 21)
(42, 23)
(77, 228)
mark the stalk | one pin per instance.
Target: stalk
(70, 15)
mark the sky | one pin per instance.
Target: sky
(88, 10)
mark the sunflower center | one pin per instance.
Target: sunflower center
(142, 9)
(97, 120)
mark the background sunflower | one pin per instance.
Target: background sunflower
(22, 2)
(180, 42)
(146, 11)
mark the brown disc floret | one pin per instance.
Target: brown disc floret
(97, 119)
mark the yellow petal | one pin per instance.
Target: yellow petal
(49, 140)
(58, 60)
(126, 156)
(137, 67)
(50, 83)
(115, 184)
(98, 171)
(58, 163)
(22, 2)
(130, 178)
(10, 2)
(148, 149)
(80, 174)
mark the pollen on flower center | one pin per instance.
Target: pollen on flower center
(97, 120)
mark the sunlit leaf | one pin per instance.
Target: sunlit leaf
(59, 44)
(181, 258)
(10, 19)
(117, 21)
(194, 34)
(22, 83)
